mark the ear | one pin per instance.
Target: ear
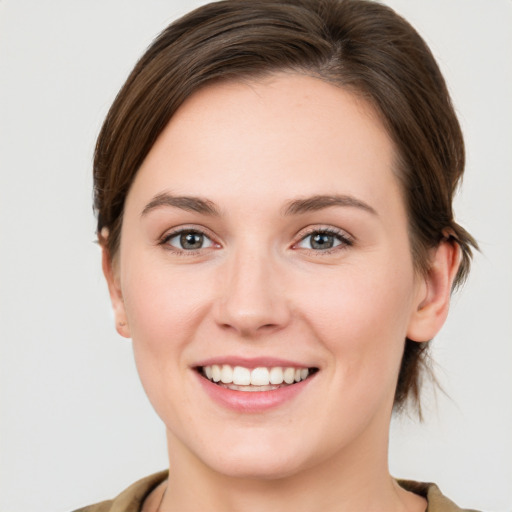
(116, 296)
(433, 298)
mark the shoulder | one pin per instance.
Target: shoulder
(131, 499)
(104, 506)
(437, 501)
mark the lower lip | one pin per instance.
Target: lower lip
(252, 401)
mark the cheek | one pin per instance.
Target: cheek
(162, 307)
(361, 315)
(163, 310)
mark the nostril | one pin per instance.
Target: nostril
(268, 326)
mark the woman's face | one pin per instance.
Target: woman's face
(266, 229)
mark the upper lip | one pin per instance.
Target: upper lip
(252, 362)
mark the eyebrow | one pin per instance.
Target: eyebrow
(189, 203)
(319, 202)
(294, 207)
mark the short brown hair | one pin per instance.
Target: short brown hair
(359, 45)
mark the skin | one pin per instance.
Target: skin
(258, 288)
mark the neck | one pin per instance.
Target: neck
(354, 479)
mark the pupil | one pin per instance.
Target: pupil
(191, 240)
(322, 241)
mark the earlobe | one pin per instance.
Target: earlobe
(116, 297)
(433, 301)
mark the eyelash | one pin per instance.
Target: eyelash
(164, 241)
(343, 238)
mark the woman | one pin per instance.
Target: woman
(274, 188)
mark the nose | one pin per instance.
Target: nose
(252, 299)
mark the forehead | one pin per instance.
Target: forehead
(285, 134)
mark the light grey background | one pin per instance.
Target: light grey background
(75, 425)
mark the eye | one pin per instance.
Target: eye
(188, 240)
(323, 240)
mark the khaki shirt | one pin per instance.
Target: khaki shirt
(131, 499)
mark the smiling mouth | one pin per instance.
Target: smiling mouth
(239, 378)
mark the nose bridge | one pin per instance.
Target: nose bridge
(252, 298)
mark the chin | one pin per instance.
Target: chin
(264, 457)
(259, 468)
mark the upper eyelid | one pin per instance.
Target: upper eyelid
(301, 235)
(175, 232)
(169, 233)
(324, 229)
(346, 240)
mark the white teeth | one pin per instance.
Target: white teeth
(289, 375)
(215, 372)
(276, 375)
(241, 376)
(257, 379)
(249, 388)
(260, 377)
(226, 374)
